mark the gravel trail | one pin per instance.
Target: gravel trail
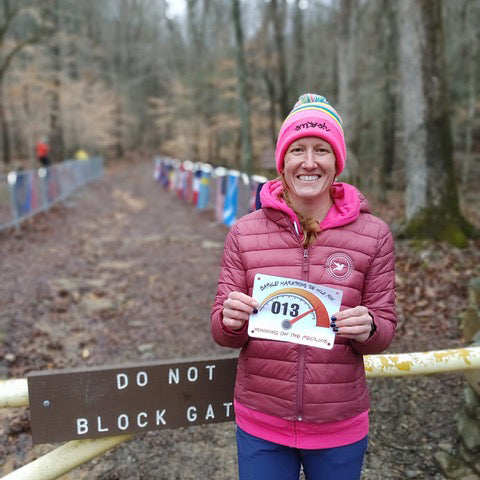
(126, 272)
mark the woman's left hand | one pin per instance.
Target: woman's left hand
(355, 323)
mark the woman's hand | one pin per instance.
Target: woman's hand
(355, 323)
(237, 309)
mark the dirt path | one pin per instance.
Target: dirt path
(127, 272)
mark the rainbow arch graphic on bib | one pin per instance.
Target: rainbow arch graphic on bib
(322, 318)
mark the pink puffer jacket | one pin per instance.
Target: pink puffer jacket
(354, 253)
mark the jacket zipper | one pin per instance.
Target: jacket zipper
(301, 360)
(305, 264)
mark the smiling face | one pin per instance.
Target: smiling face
(309, 171)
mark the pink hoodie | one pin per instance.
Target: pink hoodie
(345, 208)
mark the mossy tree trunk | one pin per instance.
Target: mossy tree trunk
(432, 207)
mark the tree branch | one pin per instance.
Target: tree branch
(12, 13)
(6, 62)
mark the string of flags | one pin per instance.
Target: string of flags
(230, 193)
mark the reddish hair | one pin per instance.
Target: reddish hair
(310, 226)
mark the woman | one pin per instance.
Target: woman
(294, 404)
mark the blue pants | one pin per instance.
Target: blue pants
(260, 459)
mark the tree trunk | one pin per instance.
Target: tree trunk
(56, 128)
(278, 21)
(119, 149)
(298, 83)
(272, 108)
(472, 39)
(246, 135)
(390, 61)
(432, 209)
(348, 106)
(26, 110)
(267, 73)
(197, 16)
(6, 152)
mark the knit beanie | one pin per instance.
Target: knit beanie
(312, 116)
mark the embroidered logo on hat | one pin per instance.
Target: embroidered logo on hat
(339, 265)
(323, 126)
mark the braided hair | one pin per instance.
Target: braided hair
(310, 226)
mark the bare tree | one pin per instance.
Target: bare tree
(278, 11)
(246, 137)
(121, 75)
(432, 208)
(472, 38)
(263, 71)
(297, 84)
(388, 126)
(56, 121)
(347, 94)
(12, 12)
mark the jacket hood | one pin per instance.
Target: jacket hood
(348, 202)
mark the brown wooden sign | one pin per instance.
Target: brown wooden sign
(105, 401)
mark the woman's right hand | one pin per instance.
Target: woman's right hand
(237, 309)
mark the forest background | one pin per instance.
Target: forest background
(213, 82)
(127, 79)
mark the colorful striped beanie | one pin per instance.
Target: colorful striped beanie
(312, 116)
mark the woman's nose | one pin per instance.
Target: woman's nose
(309, 159)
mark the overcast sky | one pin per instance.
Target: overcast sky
(176, 7)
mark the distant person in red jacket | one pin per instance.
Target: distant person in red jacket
(298, 405)
(42, 151)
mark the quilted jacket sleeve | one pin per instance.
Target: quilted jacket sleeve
(379, 295)
(232, 278)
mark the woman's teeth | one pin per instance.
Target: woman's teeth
(308, 178)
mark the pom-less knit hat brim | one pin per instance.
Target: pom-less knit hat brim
(312, 116)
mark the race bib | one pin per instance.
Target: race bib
(294, 311)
